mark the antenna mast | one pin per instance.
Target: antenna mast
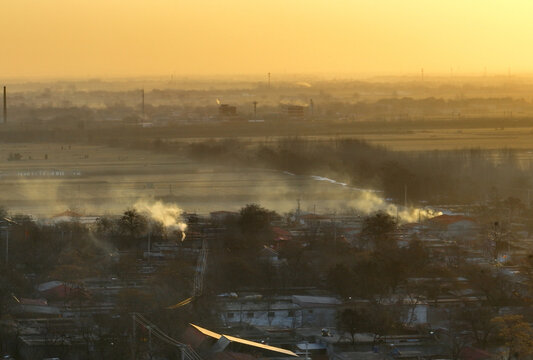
(5, 105)
(143, 116)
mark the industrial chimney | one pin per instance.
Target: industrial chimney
(143, 116)
(5, 106)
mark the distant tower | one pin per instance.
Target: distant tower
(312, 106)
(142, 119)
(255, 110)
(269, 80)
(422, 73)
(5, 105)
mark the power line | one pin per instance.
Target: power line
(186, 350)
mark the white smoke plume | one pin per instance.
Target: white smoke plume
(303, 84)
(369, 201)
(168, 214)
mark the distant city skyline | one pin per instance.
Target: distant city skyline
(100, 38)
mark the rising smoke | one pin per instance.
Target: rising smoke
(369, 201)
(304, 84)
(167, 214)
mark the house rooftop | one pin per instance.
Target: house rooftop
(49, 285)
(68, 213)
(313, 217)
(449, 219)
(472, 353)
(315, 300)
(243, 341)
(268, 252)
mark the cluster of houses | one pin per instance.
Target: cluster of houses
(303, 320)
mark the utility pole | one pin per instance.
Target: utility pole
(335, 231)
(397, 215)
(149, 246)
(5, 227)
(143, 116)
(255, 110)
(7, 245)
(5, 105)
(269, 80)
(133, 338)
(150, 341)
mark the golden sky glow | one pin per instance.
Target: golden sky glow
(155, 37)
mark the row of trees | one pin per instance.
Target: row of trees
(461, 176)
(471, 324)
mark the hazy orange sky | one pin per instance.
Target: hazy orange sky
(81, 38)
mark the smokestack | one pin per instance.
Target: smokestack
(142, 120)
(5, 105)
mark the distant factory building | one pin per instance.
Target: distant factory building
(227, 110)
(293, 111)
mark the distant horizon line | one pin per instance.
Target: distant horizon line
(262, 77)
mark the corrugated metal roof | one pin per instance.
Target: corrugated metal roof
(49, 285)
(243, 341)
(316, 300)
(311, 346)
(450, 219)
(67, 213)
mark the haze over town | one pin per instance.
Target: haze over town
(208, 180)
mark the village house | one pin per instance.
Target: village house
(280, 311)
(453, 226)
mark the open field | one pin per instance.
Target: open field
(413, 140)
(110, 180)
(451, 139)
(98, 179)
